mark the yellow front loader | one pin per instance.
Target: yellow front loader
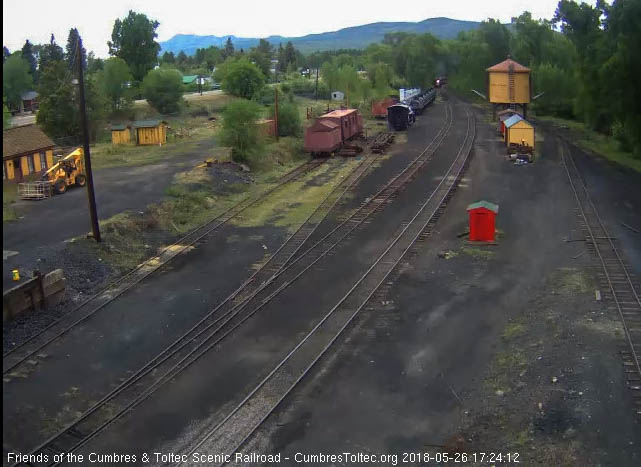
(70, 170)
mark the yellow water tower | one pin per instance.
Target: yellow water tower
(509, 86)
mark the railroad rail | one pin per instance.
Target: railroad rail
(60, 327)
(228, 435)
(617, 280)
(194, 343)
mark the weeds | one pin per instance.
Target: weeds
(9, 195)
(477, 253)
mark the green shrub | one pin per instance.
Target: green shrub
(163, 89)
(303, 87)
(265, 96)
(289, 123)
(285, 87)
(241, 78)
(239, 130)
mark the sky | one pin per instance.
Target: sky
(37, 19)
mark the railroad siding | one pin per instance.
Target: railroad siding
(420, 359)
(244, 358)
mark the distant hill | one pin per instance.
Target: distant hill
(356, 37)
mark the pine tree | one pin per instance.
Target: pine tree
(50, 52)
(29, 56)
(229, 50)
(70, 49)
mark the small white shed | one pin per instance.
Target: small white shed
(338, 96)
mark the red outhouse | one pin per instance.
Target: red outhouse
(482, 221)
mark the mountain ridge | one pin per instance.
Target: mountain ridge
(353, 37)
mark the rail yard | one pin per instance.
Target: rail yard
(98, 377)
(353, 273)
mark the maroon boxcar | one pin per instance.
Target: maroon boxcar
(349, 120)
(323, 137)
(379, 108)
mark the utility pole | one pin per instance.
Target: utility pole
(276, 110)
(95, 228)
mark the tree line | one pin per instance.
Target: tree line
(582, 60)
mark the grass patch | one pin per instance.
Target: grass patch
(602, 145)
(477, 253)
(505, 370)
(289, 206)
(109, 155)
(521, 438)
(212, 103)
(570, 281)
(511, 360)
(284, 152)
(124, 247)
(513, 330)
(9, 196)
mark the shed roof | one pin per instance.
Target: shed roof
(505, 66)
(484, 204)
(23, 140)
(29, 95)
(522, 124)
(119, 127)
(146, 123)
(339, 113)
(512, 120)
(507, 116)
(187, 79)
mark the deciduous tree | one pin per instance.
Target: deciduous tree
(115, 78)
(57, 113)
(134, 40)
(16, 80)
(240, 78)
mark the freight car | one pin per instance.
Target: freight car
(332, 131)
(379, 108)
(422, 100)
(400, 116)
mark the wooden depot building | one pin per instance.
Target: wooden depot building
(26, 150)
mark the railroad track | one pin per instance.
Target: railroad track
(258, 289)
(34, 345)
(618, 282)
(229, 434)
